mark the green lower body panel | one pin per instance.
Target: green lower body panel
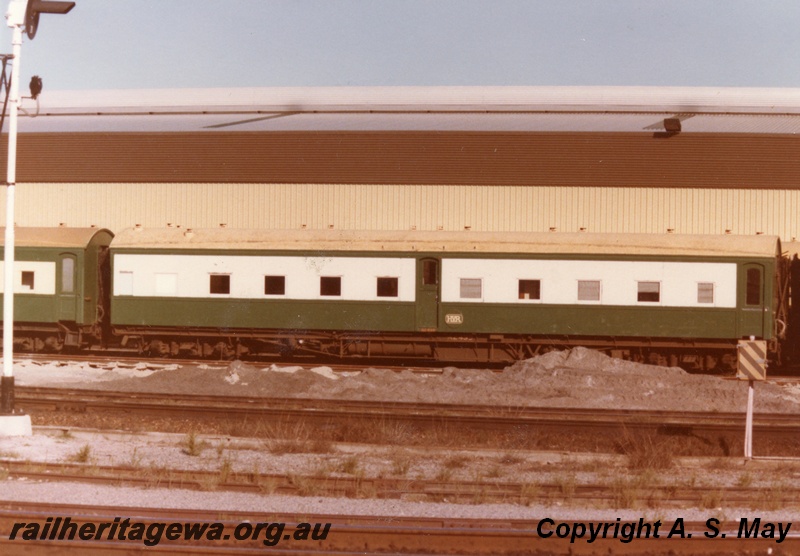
(272, 314)
(589, 320)
(34, 308)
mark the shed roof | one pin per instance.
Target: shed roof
(501, 109)
(448, 242)
(54, 237)
(463, 136)
(426, 99)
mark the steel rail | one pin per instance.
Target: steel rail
(210, 407)
(667, 496)
(358, 534)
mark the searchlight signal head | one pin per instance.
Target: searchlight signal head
(36, 7)
(25, 13)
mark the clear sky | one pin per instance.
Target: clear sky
(113, 44)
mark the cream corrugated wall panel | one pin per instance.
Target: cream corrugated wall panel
(499, 208)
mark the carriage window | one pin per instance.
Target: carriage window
(330, 285)
(530, 289)
(705, 292)
(471, 288)
(67, 275)
(167, 284)
(387, 287)
(430, 273)
(27, 279)
(649, 292)
(124, 284)
(588, 290)
(220, 283)
(753, 287)
(274, 285)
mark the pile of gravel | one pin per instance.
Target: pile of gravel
(579, 378)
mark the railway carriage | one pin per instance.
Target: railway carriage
(60, 287)
(445, 296)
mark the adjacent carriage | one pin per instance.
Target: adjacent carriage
(60, 287)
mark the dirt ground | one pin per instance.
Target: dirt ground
(573, 378)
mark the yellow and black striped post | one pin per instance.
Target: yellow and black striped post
(752, 360)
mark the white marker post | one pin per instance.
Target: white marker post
(748, 424)
(20, 13)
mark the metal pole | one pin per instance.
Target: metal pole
(7, 398)
(748, 424)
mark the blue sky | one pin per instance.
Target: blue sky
(120, 44)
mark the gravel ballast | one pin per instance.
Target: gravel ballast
(571, 379)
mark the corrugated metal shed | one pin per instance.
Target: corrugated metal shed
(406, 207)
(404, 157)
(522, 136)
(493, 159)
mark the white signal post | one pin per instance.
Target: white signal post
(11, 424)
(20, 14)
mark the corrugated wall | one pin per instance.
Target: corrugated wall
(402, 207)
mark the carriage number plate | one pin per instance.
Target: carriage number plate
(454, 318)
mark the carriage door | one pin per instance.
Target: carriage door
(66, 286)
(751, 302)
(428, 294)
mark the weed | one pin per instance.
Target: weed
(528, 493)
(567, 484)
(192, 446)
(135, 460)
(349, 465)
(208, 483)
(510, 459)
(305, 486)
(401, 463)
(645, 452)
(626, 494)
(267, 485)
(444, 475)
(365, 488)
(479, 497)
(494, 472)
(711, 500)
(745, 480)
(720, 464)
(456, 462)
(301, 446)
(82, 455)
(157, 477)
(772, 498)
(225, 471)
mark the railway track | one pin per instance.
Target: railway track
(325, 414)
(603, 495)
(357, 534)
